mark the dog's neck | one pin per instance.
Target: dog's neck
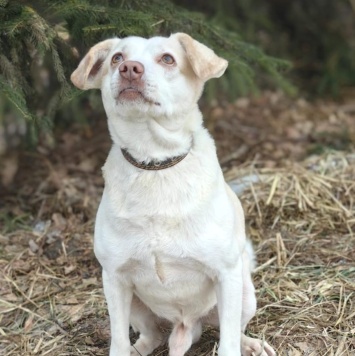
(152, 138)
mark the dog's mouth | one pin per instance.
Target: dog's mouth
(133, 94)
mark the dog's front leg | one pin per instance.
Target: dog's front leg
(119, 297)
(229, 302)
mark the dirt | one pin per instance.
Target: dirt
(50, 293)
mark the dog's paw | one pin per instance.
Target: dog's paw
(145, 346)
(255, 347)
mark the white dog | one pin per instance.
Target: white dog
(169, 231)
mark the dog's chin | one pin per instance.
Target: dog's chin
(131, 95)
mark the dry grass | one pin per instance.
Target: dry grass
(301, 218)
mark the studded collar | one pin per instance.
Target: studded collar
(153, 165)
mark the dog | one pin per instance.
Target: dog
(169, 231)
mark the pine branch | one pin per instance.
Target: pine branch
(6, 67)
(32, 42)
(58, 64)
(16, 97)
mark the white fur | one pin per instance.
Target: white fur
(171, 242)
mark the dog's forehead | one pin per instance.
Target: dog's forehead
(154, 45)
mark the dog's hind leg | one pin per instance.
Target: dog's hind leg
(146, 323)
(249, 298)
(250, 346)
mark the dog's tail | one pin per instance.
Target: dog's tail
(238, 185)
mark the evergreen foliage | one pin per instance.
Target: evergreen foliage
(40, 41)
(317, 36)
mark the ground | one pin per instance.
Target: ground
(300, 217)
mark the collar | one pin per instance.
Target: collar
(153, 165)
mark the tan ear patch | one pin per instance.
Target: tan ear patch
(96, 67)
(204, 62)
(89, 73)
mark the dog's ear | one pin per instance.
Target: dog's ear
(89, 73)
(205, 63)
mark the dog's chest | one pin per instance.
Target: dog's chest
(160, 257)
(158, 232)
(163, 269)
(160, 249)
(170, 192)
(171, 286)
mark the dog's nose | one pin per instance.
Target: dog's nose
(131, 70)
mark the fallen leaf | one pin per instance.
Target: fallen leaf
(69, 269)
(90, 281)
(29, 323)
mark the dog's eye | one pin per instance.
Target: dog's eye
(168, 59)
(118, 57)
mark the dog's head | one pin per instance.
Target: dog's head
(158, 76)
